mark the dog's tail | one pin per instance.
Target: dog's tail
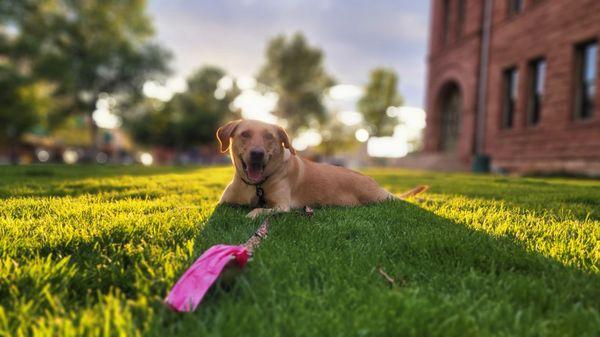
(413, 192)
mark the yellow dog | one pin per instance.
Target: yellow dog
(270, 177)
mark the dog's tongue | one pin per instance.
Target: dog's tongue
(255, 172)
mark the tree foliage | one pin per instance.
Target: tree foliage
(86, 48)
(189, 118)
(337, 138)
(295, 70)
(380, 93)
(23, 104)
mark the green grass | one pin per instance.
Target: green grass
(93, 251)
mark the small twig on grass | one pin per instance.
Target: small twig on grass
(401, 282)
(387, 277)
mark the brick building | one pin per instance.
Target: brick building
(515, 83)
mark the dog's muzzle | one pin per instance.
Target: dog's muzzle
(255, 167)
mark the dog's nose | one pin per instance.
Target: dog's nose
(257, 155)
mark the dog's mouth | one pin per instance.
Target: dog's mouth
(254, 170)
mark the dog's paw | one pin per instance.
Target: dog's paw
(255, 213)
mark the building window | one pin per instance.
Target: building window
(537, 76)
(515, 7)
(446, 36)
(509, 97)
(586, 75)
(461, 11)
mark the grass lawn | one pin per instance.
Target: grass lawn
(93, 251)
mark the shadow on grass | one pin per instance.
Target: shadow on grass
(318, 277)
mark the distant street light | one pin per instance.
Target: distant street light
(362, 135)
(146, 159)
(70, 156)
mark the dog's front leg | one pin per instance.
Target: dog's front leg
(255, 213)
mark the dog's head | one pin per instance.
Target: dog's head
(257, 149)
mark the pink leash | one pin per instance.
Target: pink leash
(186, 294)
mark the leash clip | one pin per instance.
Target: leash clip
(260, 192)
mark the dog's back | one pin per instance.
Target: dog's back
(324, 184)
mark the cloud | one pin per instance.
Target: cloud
(356, 35)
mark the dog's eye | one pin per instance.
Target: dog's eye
(269, 136)
(245, 134)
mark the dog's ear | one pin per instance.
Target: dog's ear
(224, 134)
(285, 140)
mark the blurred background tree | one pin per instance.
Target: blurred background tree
(295, 71)
(87, 49)
(380, 93)
(204, 107)
(24, 103)
(190, 118)
(151, 124)
(336, 138)
(63, 60)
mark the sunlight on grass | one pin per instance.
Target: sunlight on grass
(93, 251)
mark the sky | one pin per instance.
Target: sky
(356, 36)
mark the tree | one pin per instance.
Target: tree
(87, 49)
(189, 118)
(151, 124)
(295, 71)
(380, 94)
(203, 107)
(23, 104)
(337, 138)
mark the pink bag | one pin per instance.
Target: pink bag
(195, 282)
